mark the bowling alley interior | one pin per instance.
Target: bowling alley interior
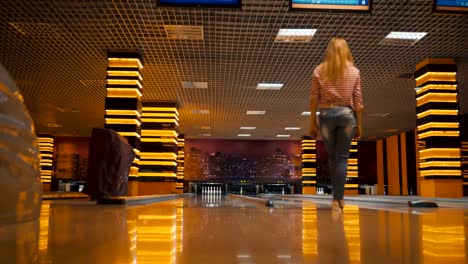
(179, 131)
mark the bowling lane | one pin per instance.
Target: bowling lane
(232, 229)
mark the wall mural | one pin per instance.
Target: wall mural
(264, 161)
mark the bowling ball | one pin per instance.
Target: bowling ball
(269, 203)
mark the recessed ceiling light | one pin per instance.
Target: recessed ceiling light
(295, 35)
(205, 127)
(283, 136)
(250, 112)
(292, 128)
(403, 38)
(243, 135)
(201, 112)
(305, 113)
(248, 128)
(269, 86)
(199, 85)
(205, 135)
(406, 35)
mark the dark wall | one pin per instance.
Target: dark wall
(236, 160)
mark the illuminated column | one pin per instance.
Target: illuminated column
(352, 186)
(123, 102)
(438, 128)
(46, 148)
(158, 165)
(309, 165)
(180, 164)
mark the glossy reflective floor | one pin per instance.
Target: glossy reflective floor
(236, 230)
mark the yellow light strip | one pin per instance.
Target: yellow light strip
(438, 125)
(46, 156)
(124, 82)
(309, 156)
(125, 62)
(451, 87)
(161, 133)
(427, 164)
(164, 163)
(439, 153)
(352, 168)
(436, 97)
(308, 148)
(45, 145)
(436, 76)
(151, 114)
(124, 92)
(352, 162)
(162, 140)
(309, 160)
(45, 140)
(46, 149)
(134, 73)
(157, 174)
(123, 112)
(437, 112)
(425, 173)
(129, 134)
(118, 121)
(439, 134)
(159, 120)
(136, 151)
(309, 182)
(161, 109)
(352, 174)
(348, 185)
(158, 155)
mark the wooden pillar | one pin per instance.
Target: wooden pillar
(393, 165)
(380, 167)
(403, 165)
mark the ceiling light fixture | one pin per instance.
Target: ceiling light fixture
(269, 86)
(292, 128)
(254, 112)
(201, 112)
(295, 35)
(406, 35)
(196, 85)
(243, 135)
(283, 136)
(248, 128)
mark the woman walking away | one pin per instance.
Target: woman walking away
(336, 92)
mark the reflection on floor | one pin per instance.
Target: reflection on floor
(233, 230)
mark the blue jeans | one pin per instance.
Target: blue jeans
(337, 126)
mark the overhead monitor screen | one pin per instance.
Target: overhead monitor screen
(200, 3)
(451, 6)
(332, 5)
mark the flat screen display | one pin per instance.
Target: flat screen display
(332, 5)
(200, 3)
(451, 6)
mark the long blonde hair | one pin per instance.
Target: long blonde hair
(337, 59)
